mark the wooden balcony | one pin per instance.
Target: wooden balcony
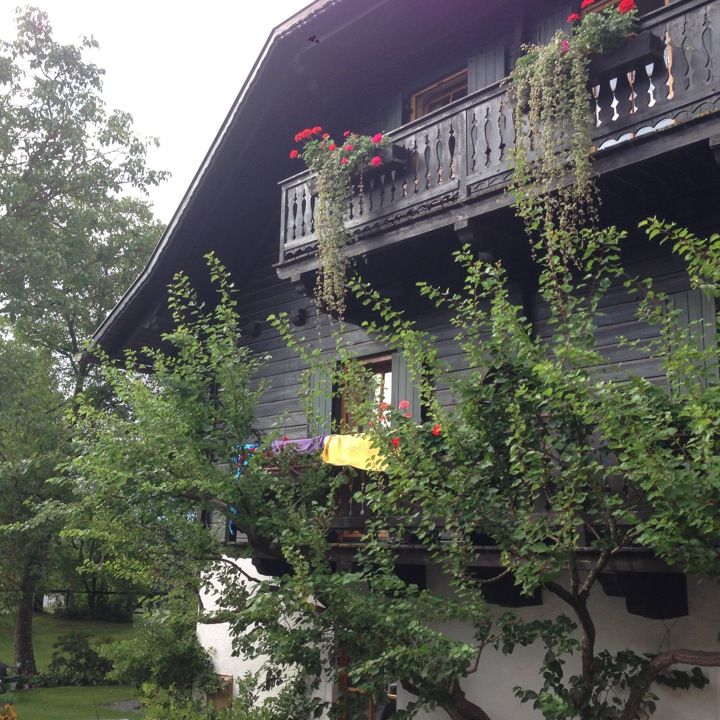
(459, 158)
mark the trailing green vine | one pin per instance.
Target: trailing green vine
(552, 183)
(333, 165)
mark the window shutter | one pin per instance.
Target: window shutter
(390, 115)
(697, 311)
(486, 68)
(547, 27)
(404, 387)
(320, 420)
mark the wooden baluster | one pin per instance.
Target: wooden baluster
(486, 135)
(451, 150)
(685, 55)
(426, 158)
(416, 167)
(615, 102)
(649, 70)
(473, 142)
(439, 155)
(501, 126)
(294, 214)
(596, 95)
(706, 40)
(303, 212)
(633, 94)
(381, 189)
(668, 59)
(313, 203)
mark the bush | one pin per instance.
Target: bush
(291, 703)
(8, 712)
(164, 652)
(111, 607)
(76, 662)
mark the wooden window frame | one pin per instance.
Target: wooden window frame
(599, 5)
(378, 364)
(448, 85)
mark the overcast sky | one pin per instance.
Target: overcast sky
(175, 66)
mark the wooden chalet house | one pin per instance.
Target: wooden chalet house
(430, 74)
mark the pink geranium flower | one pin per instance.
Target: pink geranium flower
(376, 161)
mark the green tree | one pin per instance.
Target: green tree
(562, 468)
(72, 238)
(32, 441)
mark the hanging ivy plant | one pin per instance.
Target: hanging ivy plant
(552, 182)
(333, 165)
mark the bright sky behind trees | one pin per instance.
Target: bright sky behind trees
(176, 66)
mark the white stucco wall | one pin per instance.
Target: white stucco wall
(492, 686)
(216, 637)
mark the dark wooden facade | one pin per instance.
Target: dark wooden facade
(656, 105)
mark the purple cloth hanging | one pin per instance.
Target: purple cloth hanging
(305, 445)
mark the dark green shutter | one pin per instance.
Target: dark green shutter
(486, 68)
(547, 27)
(697, 311)
(404, 387)
(390, 115)
(320, 420)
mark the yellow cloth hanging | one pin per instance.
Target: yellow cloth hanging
(354, 450)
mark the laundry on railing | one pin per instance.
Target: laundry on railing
(243, 456)
(358, 451)
(303, 445)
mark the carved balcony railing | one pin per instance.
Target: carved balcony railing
(462, 154)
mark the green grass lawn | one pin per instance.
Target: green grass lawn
(46, 630)
(65, 703)
(71, 703)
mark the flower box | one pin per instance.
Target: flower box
(393, 156)
(636, 51)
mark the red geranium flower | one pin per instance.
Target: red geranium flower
(384, 406)
(564, 46)
(626, 6)
(403, 404)
(408, 415)
(436, 430)
(395, 442)
(376, 161)
(293, 154)
(317, 129)
(573, 17)
(377, 138)
(332, 147)
(325, 136)
(346, 133)
(586, 3)
(348, 147)
(344, 161)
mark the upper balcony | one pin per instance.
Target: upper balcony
(457, 160)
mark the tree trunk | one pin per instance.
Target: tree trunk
(24, 652)
(659, 664)
(455, 704)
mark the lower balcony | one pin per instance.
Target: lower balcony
(659, 92)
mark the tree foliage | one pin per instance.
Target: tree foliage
(561, 467)
(72, 238)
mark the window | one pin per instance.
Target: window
(393, 384)
(439, 94)
(358, 705)
(644, 6)
(380, 368)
